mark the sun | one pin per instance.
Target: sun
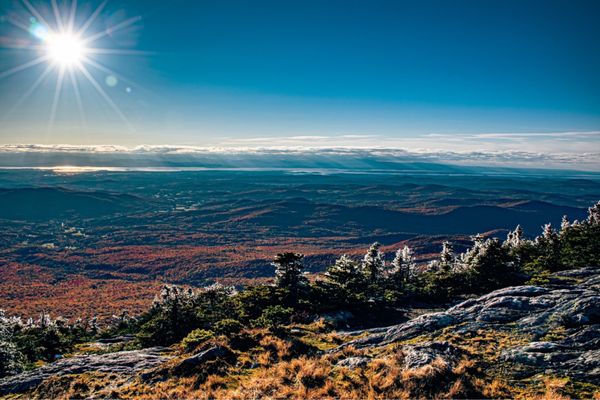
(68, 44)
(65, 49)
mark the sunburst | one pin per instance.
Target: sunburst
(68, 51)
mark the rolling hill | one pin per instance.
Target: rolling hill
(45, 203)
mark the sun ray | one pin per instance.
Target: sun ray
(18, 24)
(23, 67)
(104, 95)
(72, 14)
(91, 19)
(30, 91)
(36, 14)
(113, 29)
(78, 97)
(22, 47)
(57, 17)
(57, 93)
(94, 50)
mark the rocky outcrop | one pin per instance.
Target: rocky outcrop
(190, 364)
(419, 355)
(122, 363)
(561, 321)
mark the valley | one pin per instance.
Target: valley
(97, 242)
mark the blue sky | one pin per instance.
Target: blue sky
(458, 75)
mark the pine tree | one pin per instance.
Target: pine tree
(11, 360)
(288, 271)
(373, 264)
(345, 274)
(403, 266)
(447, 257)
(580, 244)
(564, 225)
(409, 262)
(549, 233)
(514, 239)
(489, 265)
(594, 214)
(548, 245)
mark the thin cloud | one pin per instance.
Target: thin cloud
(510, 136)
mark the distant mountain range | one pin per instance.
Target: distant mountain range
(296, 216)
(33, 204)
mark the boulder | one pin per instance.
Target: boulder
(353, 362)
(416, 356)
(211, 354)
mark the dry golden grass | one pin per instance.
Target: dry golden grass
(274, 367)
(279, 348)
(278, 376)
(554, 389)
(496, 389)
(319, 377)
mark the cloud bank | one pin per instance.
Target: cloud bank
(299, 155)
(577, 150)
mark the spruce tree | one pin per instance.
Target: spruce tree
(564, 225)
(345, 283)
(447, 257)
(548, 245)
(373, 264)
(594, 214)
(403, 266)
(345, 274)
(489, 265)
(288, 272)
(514, 239)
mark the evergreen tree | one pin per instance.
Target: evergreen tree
(467, 259)
(594, 214)
(447, 257)
(344, 285)
(402, 267)
(345, 274)
(172, 316)
(11, 359)
(548, 245)
(514, 239)
(288, 272)
(373, 264)
(580, 244)
(489, 265)
(564, 225)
